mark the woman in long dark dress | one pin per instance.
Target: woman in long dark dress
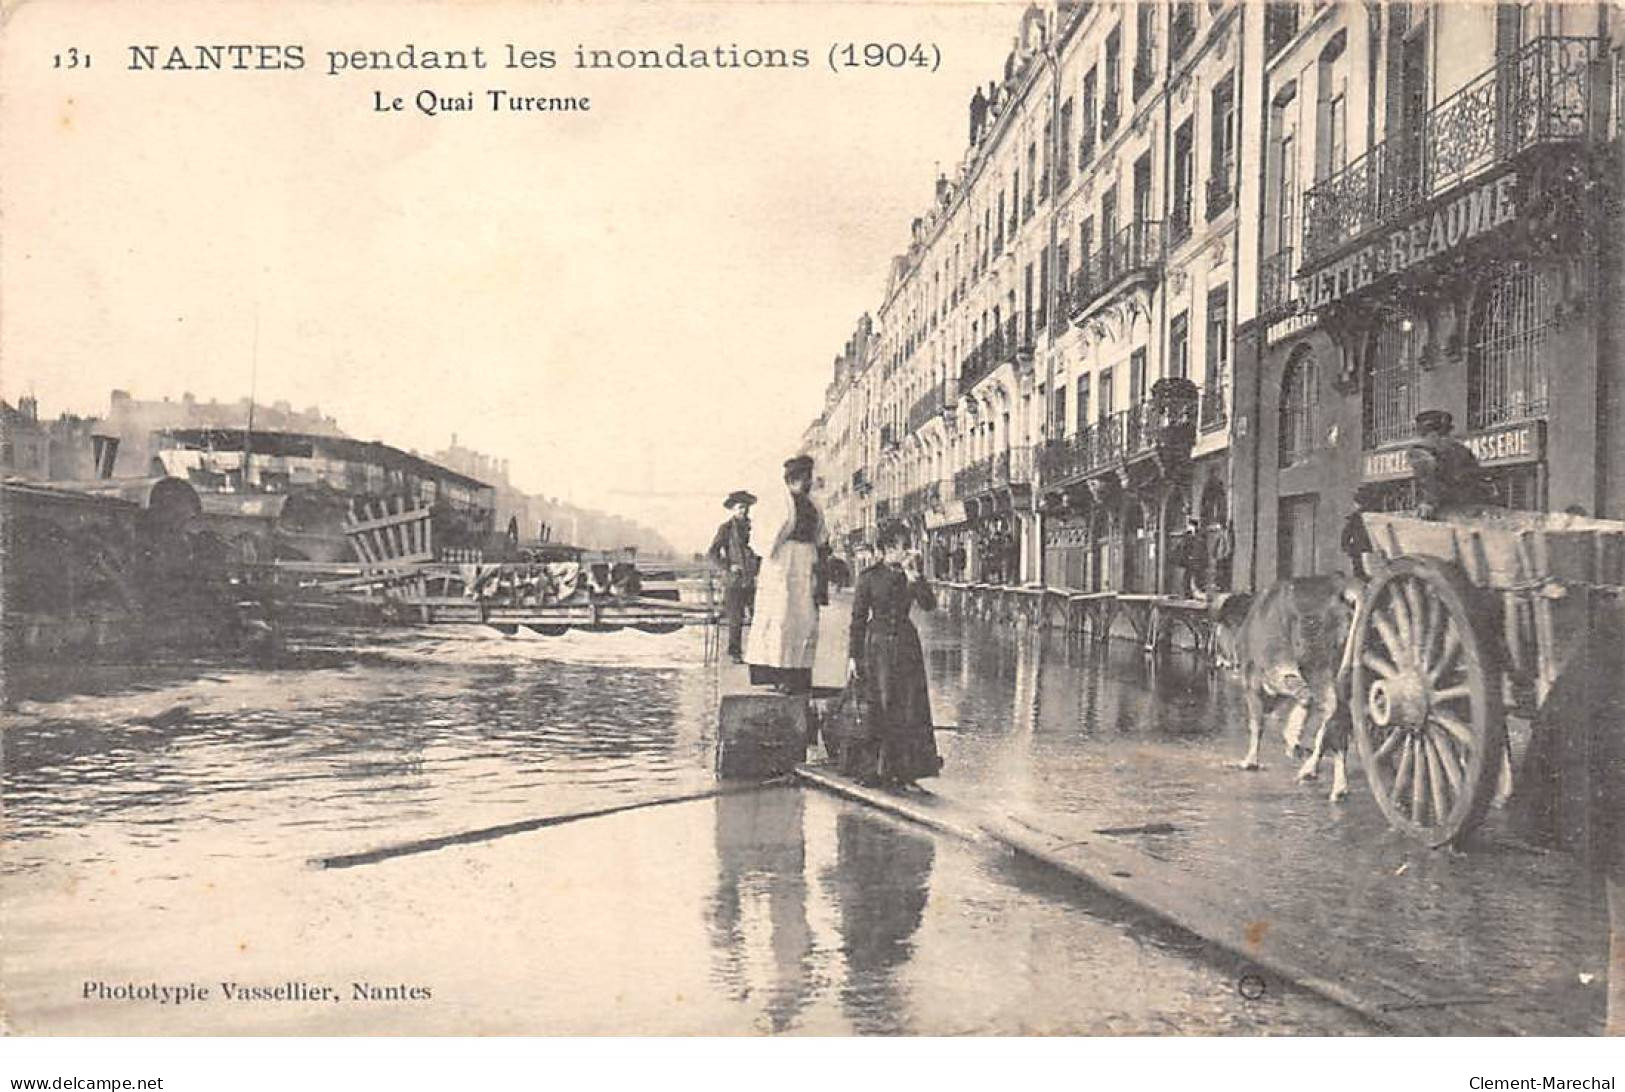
(888, 667)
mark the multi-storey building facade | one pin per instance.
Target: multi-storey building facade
(1054, 346)
(1187, 271)
(1439, 229)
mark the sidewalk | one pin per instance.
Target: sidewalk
(1090, 765)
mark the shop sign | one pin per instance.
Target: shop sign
(1505, 446)
(952, 512)
(1476, 212)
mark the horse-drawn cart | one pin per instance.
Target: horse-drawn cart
(1465, 620)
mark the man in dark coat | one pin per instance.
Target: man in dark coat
(1447, 474)
(730, 552)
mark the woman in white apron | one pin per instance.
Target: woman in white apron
(784, 630)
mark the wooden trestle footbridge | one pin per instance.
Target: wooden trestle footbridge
(547, 588)
(1153, 618)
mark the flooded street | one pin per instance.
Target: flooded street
(179, 814)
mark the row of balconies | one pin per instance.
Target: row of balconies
(1164, 424)
(1540, 95)
(1009, 344)
(1008, 468)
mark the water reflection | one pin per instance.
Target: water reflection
(880, 884)
(430, 736)
(761, 860)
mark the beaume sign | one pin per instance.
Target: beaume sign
(1481, 209)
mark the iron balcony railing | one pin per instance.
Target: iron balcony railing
(1003, 345)
(1277, 291)
(1156, 425)
(1539, 95)
(927, 407)
(1179, 224)
(1010, 467)
(1135, 249)
(925, 497)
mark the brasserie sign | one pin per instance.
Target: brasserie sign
(1522, 443)
(1481, 209)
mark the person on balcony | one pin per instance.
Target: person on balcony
(731, 553)
(784, 634)
(887, 667)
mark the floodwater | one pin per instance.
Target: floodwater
(1080, 739)
(160, 830)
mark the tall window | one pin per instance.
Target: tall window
(1506, 363)
(1222, 162)
(1184, 172)
(1027, 304)
(1179, 347)
(1331, 113)
(1108, 216)
(1287, 191)
(1388, 397)
(1280, 26)
(1114, 81)
(1083, 402)
(1107, 390)
(1145, 20)
(1218, 357)
(1060, 412)
(1032, 177)
(1045, 179)
(1136, 377)
(1086, 141)
(1063, 171)
(1300, 397)
(1142, 189)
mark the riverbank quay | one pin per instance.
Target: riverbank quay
(1118, 771)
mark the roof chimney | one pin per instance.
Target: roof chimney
(105, 453)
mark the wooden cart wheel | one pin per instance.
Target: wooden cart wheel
(1425, 698)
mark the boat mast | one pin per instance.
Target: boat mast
(253, 390)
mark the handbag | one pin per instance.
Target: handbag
(850, 742)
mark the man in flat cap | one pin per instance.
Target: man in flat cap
(784, 630)
(1447, 474)
(730, 552)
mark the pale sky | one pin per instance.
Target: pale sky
(638, 305)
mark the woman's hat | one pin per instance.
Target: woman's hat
(739, 496)
(801, 464)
